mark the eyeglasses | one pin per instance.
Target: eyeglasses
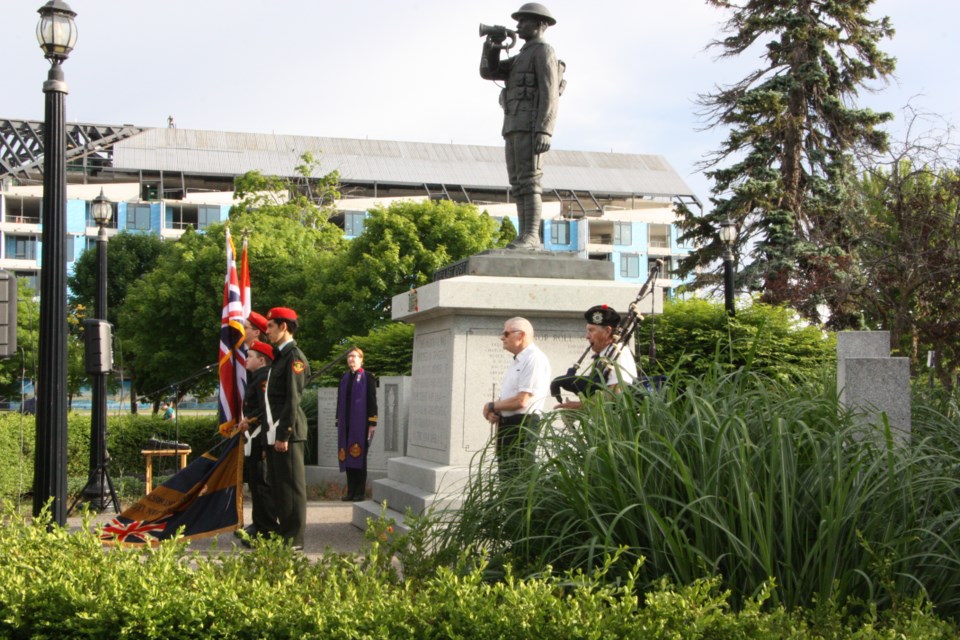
(507, 333)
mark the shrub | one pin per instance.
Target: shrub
(692, 336)
(126, 437)
(57, 583)
(735, 475)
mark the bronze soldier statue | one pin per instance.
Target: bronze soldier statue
(533, 80)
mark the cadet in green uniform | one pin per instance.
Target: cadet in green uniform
(287, 426)
(259, 359)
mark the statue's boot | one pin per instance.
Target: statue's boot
(521, 216)
(530, 237)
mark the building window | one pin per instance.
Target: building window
(21, 247)
(207, 215)
(629, 265)
(70, 248)
(660, 236)
(622, 233)
(560, 232)
(138, 216)
(353, 223)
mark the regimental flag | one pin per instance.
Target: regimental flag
(203, 499)
(231, 339)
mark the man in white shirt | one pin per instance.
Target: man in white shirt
(525, 387)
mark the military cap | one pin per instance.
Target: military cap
(258, 321)
(262, 347)
(282, 313)
(602, 315)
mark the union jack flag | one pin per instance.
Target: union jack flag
(246, 304)
(122, 529)
(231, 339)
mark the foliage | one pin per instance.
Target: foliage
(387, 351)
(308, 200)
(126, 437)
(24, 365)
(400, 248)
(909, 247)
(183, 296)
(692, 335)
(129, 256)
(58, 583)
(737, 476)
(789, 168)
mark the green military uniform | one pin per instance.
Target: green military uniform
(288, 423)
(255, 465)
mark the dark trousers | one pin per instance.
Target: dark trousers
(288, 481)
(511, 446)
(357, 482)
(261, 495)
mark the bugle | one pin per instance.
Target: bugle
(496, 35)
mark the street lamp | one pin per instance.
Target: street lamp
(57, 34)
(728, 234)
(101, 209)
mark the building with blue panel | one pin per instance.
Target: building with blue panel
(600, 206)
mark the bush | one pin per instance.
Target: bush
(126, 437)
(738, 476)
(693, 335)
(57, 583)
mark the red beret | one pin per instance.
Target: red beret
(263, 348)
(258, 321)
(282, 313)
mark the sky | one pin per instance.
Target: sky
(392, 70)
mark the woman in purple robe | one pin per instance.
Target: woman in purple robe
(356, 424)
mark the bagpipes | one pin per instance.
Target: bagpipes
(579, 384)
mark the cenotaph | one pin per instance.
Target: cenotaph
(458, 363)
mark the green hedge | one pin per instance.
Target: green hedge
(126, 437)
(54, 583)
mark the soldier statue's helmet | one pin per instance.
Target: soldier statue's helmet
(535, 9)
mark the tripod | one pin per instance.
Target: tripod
(95, 490)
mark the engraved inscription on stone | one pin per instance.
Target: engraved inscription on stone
(327, 427)
(389, 416)
(430, 397)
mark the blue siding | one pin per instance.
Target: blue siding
(121, 215)
(76, 216)
(155, 212)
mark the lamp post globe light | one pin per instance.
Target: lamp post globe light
(57, 35)
(101, 210)
(728, 235)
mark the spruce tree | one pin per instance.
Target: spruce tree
(784, 172)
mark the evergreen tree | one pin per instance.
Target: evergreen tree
(784, 172)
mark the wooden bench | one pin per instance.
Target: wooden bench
(160, 453)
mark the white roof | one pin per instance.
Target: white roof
(390, 162)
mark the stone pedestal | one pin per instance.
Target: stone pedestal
(872, 382)
(458, 364)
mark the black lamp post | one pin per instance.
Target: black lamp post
(101, 210)
(728, 234)
(57, 34)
